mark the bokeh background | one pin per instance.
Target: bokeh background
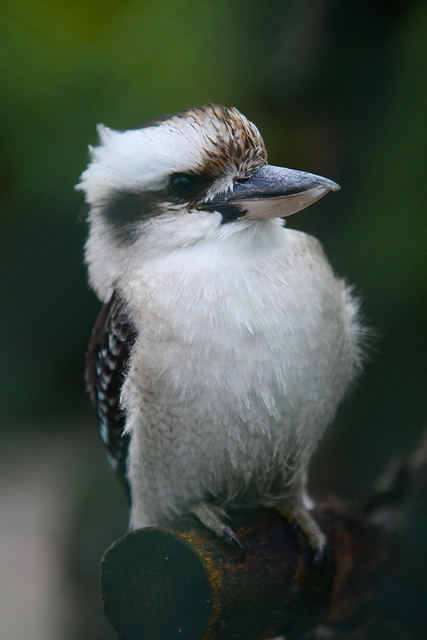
(337, 87)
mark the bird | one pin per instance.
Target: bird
(225, 342)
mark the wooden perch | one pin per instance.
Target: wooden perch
(185, 583)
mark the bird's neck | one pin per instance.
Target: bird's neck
(188, 249)
(242, 241)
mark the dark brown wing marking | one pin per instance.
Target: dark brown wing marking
(106, 360)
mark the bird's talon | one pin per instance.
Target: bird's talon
(315, 536)
(319, 557)
(213, 517)
(232, 540)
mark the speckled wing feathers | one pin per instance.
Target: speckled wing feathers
(106, 360)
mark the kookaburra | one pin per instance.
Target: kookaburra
(225, 342)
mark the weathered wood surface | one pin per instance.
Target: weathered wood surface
(185, 583)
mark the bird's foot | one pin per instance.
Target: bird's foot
(213, 516)
(307, 523)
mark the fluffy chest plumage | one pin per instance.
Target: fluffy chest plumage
(236, 372)
(260, 331)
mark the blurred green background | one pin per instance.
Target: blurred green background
(337, 88)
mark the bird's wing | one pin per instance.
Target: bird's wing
(106, 361)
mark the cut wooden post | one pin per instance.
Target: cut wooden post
(185, 583)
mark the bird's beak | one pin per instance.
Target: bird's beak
(274, 192)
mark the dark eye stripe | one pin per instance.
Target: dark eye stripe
(125, 210)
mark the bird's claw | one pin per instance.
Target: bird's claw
(231, 539)
(315, 536)
(213, 517)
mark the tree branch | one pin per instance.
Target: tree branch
(184, 582)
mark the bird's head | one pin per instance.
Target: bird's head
(186, 175)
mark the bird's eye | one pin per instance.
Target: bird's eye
(183, 184)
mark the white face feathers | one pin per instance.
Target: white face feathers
(212, 142)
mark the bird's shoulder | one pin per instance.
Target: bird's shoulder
(305, 243)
